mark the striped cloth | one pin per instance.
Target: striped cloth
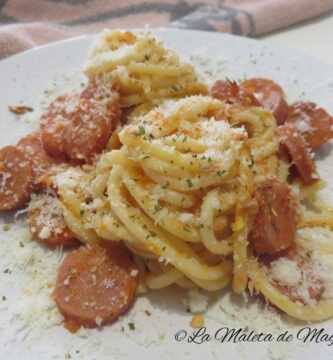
(28, 23)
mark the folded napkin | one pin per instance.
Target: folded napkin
(29, 23)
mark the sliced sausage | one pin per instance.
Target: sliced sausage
(309, 285)
(274, 226)
(230, 92)
(315, 124)
(270, 95)
(106, 97)
(102, 105)
(17, 178)
(78, 126)
(54, 122)
(315, 288)
(32, 146)
(44, 165)
(47, 222)
(88, 132)
(95, 285)
(294, 144)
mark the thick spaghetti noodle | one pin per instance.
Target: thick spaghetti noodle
(141, 68)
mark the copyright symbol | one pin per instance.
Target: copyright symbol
(180, 335)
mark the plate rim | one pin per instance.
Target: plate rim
(164, 30)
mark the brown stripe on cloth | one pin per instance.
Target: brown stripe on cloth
(51, 20)
(248, 17)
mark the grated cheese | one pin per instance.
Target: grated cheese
(197, 302)
(49, 214)
(186, 217)
(98, 320)
(134, 272)
(286, 271)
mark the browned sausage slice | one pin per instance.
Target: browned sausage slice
(274, 226)
(230, 92)
(32, 146)
(78, 126)
(44, 165)
(315, 124)
(47, 222)
(107, 97)
(91, 125)
(95, 285)
(88, 132)
(54, 122)
(270, 95)
(293, 142)
(17, 178)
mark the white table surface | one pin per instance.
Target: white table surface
(314, 37)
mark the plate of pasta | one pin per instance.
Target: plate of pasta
(165, 189)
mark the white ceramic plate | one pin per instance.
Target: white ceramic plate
(29, 322)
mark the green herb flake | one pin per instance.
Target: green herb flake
(221, 172)
(308, 253)
(151, 234)
(131, 326)
(72, 273)
(251, 162)
(142, 130)
(187, 229)
(165, 185)
(189, 183)
(157, 208)
(6, 227)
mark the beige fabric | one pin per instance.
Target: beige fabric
(34, 22)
